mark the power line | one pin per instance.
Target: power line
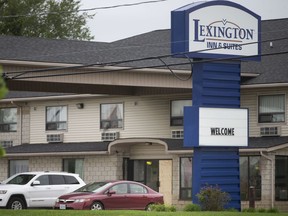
(20, 73)
(133, 46)
(155, 66)
(84, 10)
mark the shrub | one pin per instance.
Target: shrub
(273, 210)
(249, 210)
(212, 198)
(162, 208)
(192, 207)
(262, 210)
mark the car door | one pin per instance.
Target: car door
(39, 195)
(117, 200)
(138, 197)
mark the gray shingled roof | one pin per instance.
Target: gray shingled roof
(173, 145)
(155, 43)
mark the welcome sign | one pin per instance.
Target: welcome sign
(223, 127)
(215, 29)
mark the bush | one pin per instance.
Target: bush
(249, 210)
(212, 198)
(192, 207)
(162, 208)
(273, 210)
(262, 210)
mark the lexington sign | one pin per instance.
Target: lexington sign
(215, 29)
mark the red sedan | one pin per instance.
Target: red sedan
(110, 195)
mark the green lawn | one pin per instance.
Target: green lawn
(4, 212)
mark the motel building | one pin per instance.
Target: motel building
(204, 102)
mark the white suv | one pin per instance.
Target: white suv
(37, 189)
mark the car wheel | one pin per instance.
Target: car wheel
(149, 207)
(16, 203)
(97, 206)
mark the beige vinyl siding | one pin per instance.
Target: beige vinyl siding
(249, 99)
(143, 117)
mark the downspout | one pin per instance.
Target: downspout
(272, 177)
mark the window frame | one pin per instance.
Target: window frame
(175, 119)
(181, 188)
(4, 126)
(10, 173)
(270, 114)
(110, 122)
(74, 161)
(249, 178)
(56, 122)
(276, 184)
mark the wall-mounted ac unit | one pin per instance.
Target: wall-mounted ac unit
(110, 136)
(6, 143)
(177, 134)
(55, 138)
(270, 131)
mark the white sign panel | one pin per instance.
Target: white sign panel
(222, 29)
(223, 127)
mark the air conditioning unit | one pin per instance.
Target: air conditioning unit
(110, 136)
(55, 138)
(6, 143)
(270, 131)
(177, 134)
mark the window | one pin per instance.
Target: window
(74, 165)
(57, 180)
(18, 166)
(281, 178)
(44, 180)
(56, 118)
(177, 111)
(120, 188)
(137, 189)
(111, 116)
(8, 119)
(186, 178)
(271, 108)
(250, 176)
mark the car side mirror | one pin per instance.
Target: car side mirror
(36, 182)
(109, 193)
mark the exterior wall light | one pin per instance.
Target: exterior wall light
(80, 105)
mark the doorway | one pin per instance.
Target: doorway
(156, 174)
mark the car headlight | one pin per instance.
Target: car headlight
(81, 200)
(3, 191)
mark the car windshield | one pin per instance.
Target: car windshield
(93, 187)
(20, 179)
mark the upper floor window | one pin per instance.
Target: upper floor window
(56, 118)
(177, 111)
(111, 116)
(8, 119)
(271, 108)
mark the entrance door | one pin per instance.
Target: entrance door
(144, 171)
(156, 174)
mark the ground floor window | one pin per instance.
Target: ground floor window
(281, 178)
(74, 165)
(186, 178)
(18, 166)
(250, 176)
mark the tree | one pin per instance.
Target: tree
(58, 19)
(3, 92)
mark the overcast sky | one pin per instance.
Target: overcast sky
(123, 22)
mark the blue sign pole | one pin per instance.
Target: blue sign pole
(229, 31)
(214, 85)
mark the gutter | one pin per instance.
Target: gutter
(55, 154)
